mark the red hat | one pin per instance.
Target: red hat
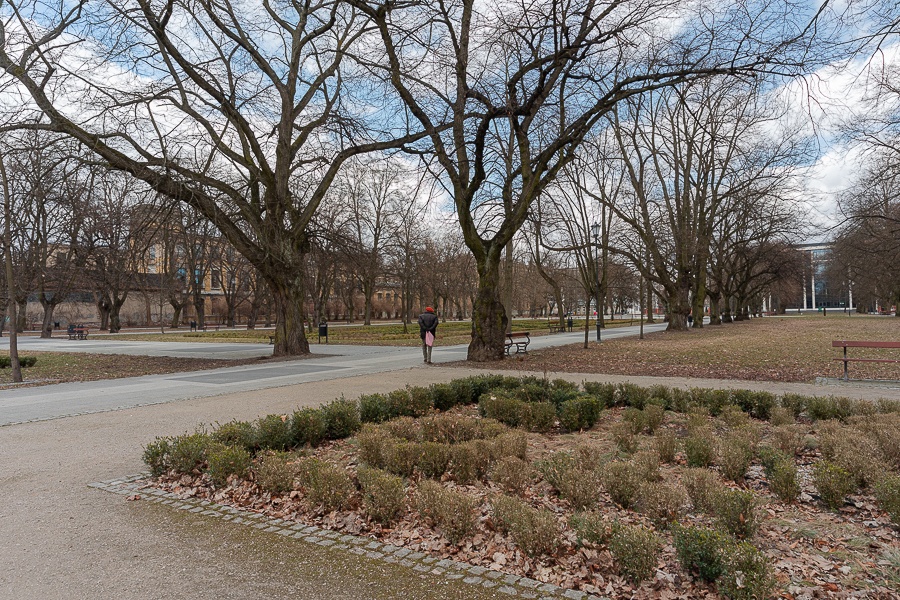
(429, 309)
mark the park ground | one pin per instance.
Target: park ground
(65, 540)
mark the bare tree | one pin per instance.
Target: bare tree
(244, 112)
(521, 86)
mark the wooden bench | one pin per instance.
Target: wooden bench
(271, 340)
(556, 328)
(857, 344)
(77, 332)
(513, 339)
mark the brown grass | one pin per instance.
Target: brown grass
(59, 367)
(770, 349)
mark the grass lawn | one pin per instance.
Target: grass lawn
(59, 367)
(449, 333)
(769, 349)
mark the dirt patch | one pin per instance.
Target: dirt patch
(791, 349)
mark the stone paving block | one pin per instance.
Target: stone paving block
(477, 570)
(430, 560)
(528, 583)
(472, 580)
(375, 555)
(391, 559)
(311, 538)
(438, 571)
(549, 587)
(285, 532)
(574, 594)
(401, 552)
(455, 575)
(444, 563)
(489, 584)
(417, 556)
(406, 562)
(421, 568)
(373, 545)
(260, 525)
(325, 543)
(511, 579)
(494, 574)
(508, 590)
(528, 595)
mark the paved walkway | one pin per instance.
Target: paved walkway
(51, 401)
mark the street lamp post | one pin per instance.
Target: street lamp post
(595, 230)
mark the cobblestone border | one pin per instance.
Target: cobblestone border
(513, 585)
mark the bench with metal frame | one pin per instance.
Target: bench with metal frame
(512, 339)
(863, 344)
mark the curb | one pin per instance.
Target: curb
(506, 583)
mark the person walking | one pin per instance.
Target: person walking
(428, 323)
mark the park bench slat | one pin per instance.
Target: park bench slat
(862, 344)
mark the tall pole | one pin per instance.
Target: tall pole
(595, 229)
(11, 288)
(641, 295)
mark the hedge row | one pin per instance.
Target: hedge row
(24, 361)
(528, 402)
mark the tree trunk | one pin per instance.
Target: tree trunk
(200, 309)
(288, 293)
(489, 319)
(21, 315)
(697, 307)
(367, 320)
(507, 285)
(679, 308)
(715, 316)
(47, 325)
(115, 322)
(103, 310)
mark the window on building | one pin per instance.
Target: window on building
(216, 279)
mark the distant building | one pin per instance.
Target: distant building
(821, 289)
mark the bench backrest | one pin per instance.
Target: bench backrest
(518, 334)
(863, 344)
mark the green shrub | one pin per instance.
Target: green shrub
(756, 404)
(590, 527)
(654, 415)
(325, 484)
(401, 457)
(783, 480)
(769, 457)
(822, 408)
(703, 488)
(539, 416)
(434, 458)
(630, 394)
(512, 474)
(698, 448)
(466, 391)
(737, 512)
(636, 550)
(579, 413)
(622, 482)
(646, 464)
(712, 400)
(702, 552)
(452, 512)
(373, 408)
(341, 419)
(795, 403)
(409, 402)
(273, 432)
(834, 484)
(624, 437)
(679, 400)
(735, 455)
(224, 461)
(605, 393)
(535, 531)
(443, 396)
(782, 415)
(470, 461)
(506, 409)
(662, 503)
(275, 472)
(24, 362)
(734, 417)
(661, 395)
(666, 445)
(157, 456)
(635, 418)
(581, 487)
(236, 433)
(855, 451)
(887, 493)
(188, 452)
(384, 496)
(373, 443)
(308, 426)
(747, 574)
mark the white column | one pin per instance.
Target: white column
(804, 294)
(850, 298)
(813, 290)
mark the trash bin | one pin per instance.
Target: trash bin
(570, 322)
(323, 331)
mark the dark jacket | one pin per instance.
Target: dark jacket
(427, 322)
